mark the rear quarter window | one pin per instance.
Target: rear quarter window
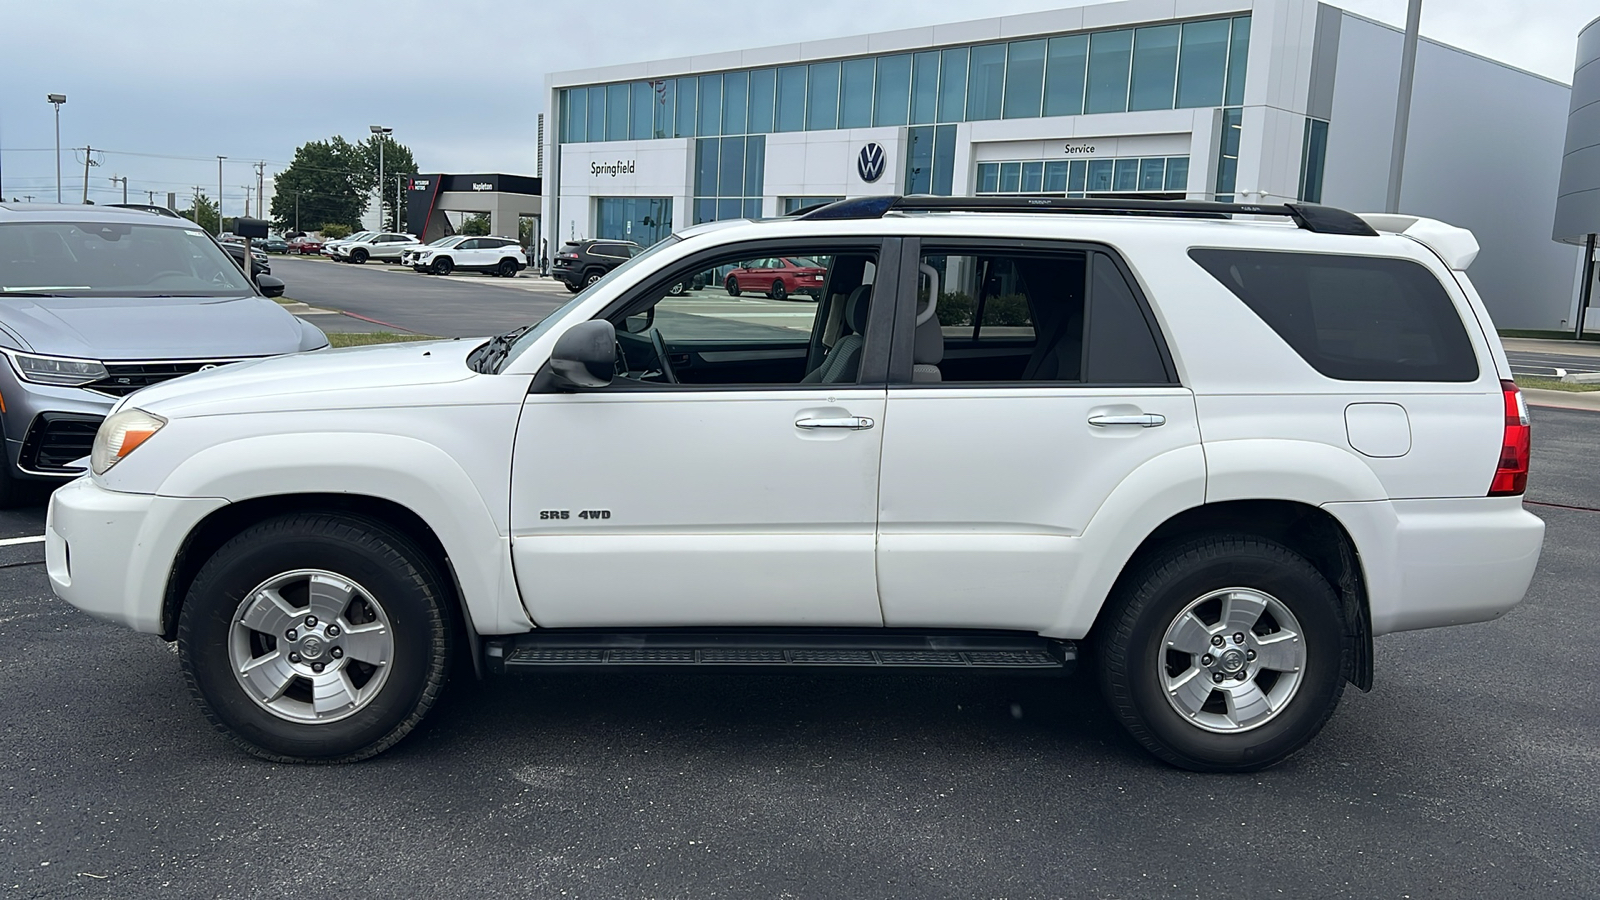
(1352, 318)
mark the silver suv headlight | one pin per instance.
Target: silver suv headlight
(61, 371)
(120, 434)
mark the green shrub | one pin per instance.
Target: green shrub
(333, 231)
(955, 308)
(1008, 309)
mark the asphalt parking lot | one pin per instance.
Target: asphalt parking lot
(1471, 770)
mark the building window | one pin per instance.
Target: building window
(1184, 66)
(1228, 153)
(728, 176)
(1079, 177)
(1313, 157)
(643, 220)
(792, 205)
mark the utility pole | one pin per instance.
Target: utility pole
(196, 206)
(88, 160)
(152, 195)
(261, 199)
(124, 179)
(219, 194)
(1402, 108)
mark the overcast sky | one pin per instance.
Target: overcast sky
(461, 81)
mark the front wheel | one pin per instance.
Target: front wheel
(315, 638)
(358, 256)
(443, 265)
(732, 286)
(1224, 654)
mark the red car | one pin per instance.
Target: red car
(302, 246)
(778, 278)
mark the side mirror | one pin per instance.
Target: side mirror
(585, 357)
(270, 286)
(639, 323)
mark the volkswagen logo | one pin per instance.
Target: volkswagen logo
(870, 162)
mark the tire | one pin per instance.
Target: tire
(732, 286)
(571, 288)
(592, 276)
(778, 292)
(507, 268)
(11, 488)
(377, 592)
(358, 256)
(1181, 601)
(677, 289)
(443, 265)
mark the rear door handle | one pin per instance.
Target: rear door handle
(1145, 420)
(853, 423)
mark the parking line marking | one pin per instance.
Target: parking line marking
(8, 542)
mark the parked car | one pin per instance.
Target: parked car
(96, 303)
(1219, 454)
(328, 247)
(498, 256)
(778, 278)
(275, 245)
(304, 246)
(383, 246)
(579, 264)
(259, 264)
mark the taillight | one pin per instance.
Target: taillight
(1511, 477)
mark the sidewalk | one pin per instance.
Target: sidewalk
(1541, 345)
(1584, 400)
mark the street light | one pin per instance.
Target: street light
(380, 131)
(219, 195)
(56, 100)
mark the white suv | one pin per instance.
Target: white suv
(379, 245)
(1222, 447)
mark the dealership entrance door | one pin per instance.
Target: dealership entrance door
(643, 220)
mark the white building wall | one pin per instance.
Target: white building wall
(1483, 151)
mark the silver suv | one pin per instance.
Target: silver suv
(96, 303)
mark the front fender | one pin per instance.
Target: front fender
(413, 473)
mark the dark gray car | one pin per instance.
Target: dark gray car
(96, 303)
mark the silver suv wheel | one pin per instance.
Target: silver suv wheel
(1234, 659)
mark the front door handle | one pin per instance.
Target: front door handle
(1145, 420)
(854, 423)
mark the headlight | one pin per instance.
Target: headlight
(56, 370)
(120, 434)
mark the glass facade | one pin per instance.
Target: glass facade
(791, 205)
(1178, 65)
(728, 177)
(643, 220)
(1228, 154)
(1313, 159)
(1086, 177)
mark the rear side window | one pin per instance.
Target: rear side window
(1353, 318)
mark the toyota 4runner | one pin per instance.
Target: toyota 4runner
(1212, 450)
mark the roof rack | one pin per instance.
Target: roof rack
(1311, 217)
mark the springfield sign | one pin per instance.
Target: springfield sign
(620, 167)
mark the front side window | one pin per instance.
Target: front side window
(100, 259)
(788, 319)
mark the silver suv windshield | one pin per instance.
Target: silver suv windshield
(106, 259)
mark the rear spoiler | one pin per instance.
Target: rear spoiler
(1456, 246)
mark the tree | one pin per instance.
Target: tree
(333, 182)
(476, 224)
(205, 216)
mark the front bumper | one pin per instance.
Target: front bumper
(110, 554)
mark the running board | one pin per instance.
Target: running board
(768, 649)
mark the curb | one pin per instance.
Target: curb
(1588, 401)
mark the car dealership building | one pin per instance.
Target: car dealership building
(1248, 100)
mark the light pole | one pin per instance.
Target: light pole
(56, 100)
(219, 194)
(1402, 108)
(380, 131)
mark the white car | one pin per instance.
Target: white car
(494, 255)
(382, 245)
(1224, 448)
(328, 247)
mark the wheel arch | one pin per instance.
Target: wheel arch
(1308, 530)
(223, 524)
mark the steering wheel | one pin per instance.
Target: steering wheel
(661, 354)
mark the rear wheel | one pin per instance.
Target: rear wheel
(315, 638)
(443, 265)
(358, 256)
(778, 292)
(732, 286)
(507, 268)
(1225, 653)
(593, 276)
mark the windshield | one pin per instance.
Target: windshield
(526, 339)
(99, 259)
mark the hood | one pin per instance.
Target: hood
(325, 379)
(151, 328)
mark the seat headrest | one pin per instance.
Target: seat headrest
(857, 307)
